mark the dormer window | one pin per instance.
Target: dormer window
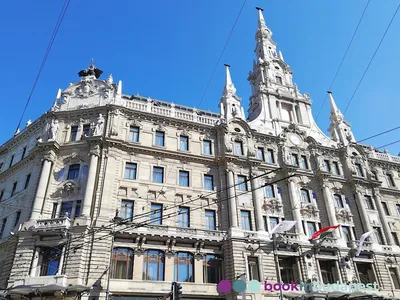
(278, 79)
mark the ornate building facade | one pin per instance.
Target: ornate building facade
(109, 195)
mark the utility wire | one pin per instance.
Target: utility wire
(368, 138)
(222, 53)
(372, 58)
(150, 222)
(344, 56)
(389, 144)
(49, 46)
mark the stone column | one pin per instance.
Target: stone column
(295, 205)
(364, 216)
(138, 266)
(330, 209)
(382, 216)
(198, 270)
(35, 263)
(169, 268)
(91, 179)
(232, 200)
(258, 196)
(41, 189)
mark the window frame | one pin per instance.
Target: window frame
(303, 162)
(253, 274)
(269, 191)
(73, 170)
(184, 178)
(134, 134)
(74, 133)
(390, 180)
(207, 179)
(338, 200)
(184, 217)
(130, 169)
(209, 147)
(207, 219)
(238, 146)
(295, 159)
(242, 185)
(159, 138)
(260, 153)
(245, 216)
(27, 181)
(127, 211)
(184, 143)
(304, 191)
(45, 260)
(160, 264)
(156, 214)
(208, 270)
(270, 157)
(188, 259)
(156, 174)
(128, 263)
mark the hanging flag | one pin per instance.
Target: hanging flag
(320, 234)
(283, 226)
(362, 240)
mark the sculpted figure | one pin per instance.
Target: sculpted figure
(53, 130)
(99, 126)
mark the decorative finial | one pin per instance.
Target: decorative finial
(92, 70)
(29, 122)
(259, 8)
(329, 92)
(110, 79)
(226, 65)
(119, 88)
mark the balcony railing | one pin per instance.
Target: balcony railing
(51, 224)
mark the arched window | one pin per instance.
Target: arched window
(183, 267)
(122, 263)
(269, 191)
(305, 196)
(212, 268)
(153, 265)
(338, 200)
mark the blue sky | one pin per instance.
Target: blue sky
(167, 50)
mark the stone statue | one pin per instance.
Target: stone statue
(286, 156)
(228, 144)
(53, 130)
(99, 126)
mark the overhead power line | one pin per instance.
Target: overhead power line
(222, 53)
(389, 144)
(372, 58)
(373, 136)
(343, 58)
(46, 54)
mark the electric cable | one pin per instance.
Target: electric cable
(222, 53)
(47, 52)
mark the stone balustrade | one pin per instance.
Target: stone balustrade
(51, 224)
(384, 156)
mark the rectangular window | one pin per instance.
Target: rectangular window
(238, 148)
(17, 217)
(295, 160)
(327, 166)
(183, 267)
(212, 269)
(183, 143)
(73, 172)
(260, 154)
(273, 221)
(270, 156)
(208, 182)
(160, 139)
(184, 217)
(158, 174)
(359, 170)
(74, 133)
(86, 130)
(395, 278)
(368, 202)
(3, 227)
(265, 223)
(311, 229)
(288, 268)
(254, 273)
(156, 214)
(153, 265)
(246, 221)
(395, 238)
(269, 191)
(130, 171)
(327, 268)
(278, 79)
(398, 209)
(184, 178)
(385, 208)
(210, 220)
(390, 180)
(346, 233)
(54, 211)
(134, 134)
(11, 161)
(242, 183)
(374, 175)
(14, 188)
(1, 195)
(23, 153)
(303, 162)
(50, 261)
(127, 208)
(335, 169)
(207, 147)
(122, 263)
(28, 178)
(66, 209)
(378, 235)
(338, 201)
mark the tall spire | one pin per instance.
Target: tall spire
(261, 20)
(230, 102)
(339, 128)
(229, 89)
(263, 31)
(336, 114)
